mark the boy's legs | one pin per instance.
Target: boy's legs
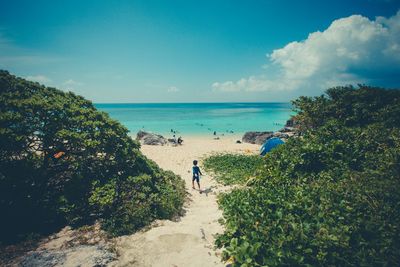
(197, 180)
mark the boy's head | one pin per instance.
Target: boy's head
(194, 162)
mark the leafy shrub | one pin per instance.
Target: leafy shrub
(64, 162)
(232, 168)
(153, 197)
(330, 198)
(352, 106)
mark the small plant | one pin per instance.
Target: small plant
(231, 169)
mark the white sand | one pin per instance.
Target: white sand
(190, 241)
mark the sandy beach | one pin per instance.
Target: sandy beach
(189, 241)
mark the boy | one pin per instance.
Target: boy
(196, 174)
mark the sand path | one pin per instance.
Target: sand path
(189, 241)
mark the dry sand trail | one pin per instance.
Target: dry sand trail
(190, 240)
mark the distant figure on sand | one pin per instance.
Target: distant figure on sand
(196, 174)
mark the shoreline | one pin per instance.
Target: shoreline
(193, 135)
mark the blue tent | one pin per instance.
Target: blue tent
(269, 145)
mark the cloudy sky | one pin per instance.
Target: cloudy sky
(203, 51)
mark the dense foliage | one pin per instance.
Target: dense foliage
(64, 162)
(329, 198)
(232, 168)
(351, 107)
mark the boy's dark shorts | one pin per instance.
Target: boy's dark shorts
(196, 178)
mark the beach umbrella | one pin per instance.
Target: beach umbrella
(269, 145)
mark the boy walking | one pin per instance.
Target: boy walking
(196, 174)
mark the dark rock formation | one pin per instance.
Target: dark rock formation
(256, 137)
(147, 138)
(281, 135)
(287, 130)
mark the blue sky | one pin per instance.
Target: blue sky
(201, 51)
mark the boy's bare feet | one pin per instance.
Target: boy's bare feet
(193, 187)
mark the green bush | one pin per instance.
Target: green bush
(233, 168)
(63, 162)
(329, 198)
(351, 106)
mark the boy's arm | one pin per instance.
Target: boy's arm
(200, 172)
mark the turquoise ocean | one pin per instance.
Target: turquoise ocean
(200, 118)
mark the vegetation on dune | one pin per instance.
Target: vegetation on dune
(329, 198)
(63, 162)
(231, 169)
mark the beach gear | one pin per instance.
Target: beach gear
(269, 145)
(59, 154)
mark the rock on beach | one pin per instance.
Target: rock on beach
(256, 137)
(146, 138)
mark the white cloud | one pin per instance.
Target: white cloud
(172, 89)
(162, 87)
(351, 50)
(39, 78)
(70, 85)
(254, 84)
(71, 82)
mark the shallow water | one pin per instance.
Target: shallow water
(200, 118)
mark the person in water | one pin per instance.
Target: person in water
(196, 174)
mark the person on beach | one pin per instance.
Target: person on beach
(174, 137)
(196, 174)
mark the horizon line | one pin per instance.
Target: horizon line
(259, 102)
